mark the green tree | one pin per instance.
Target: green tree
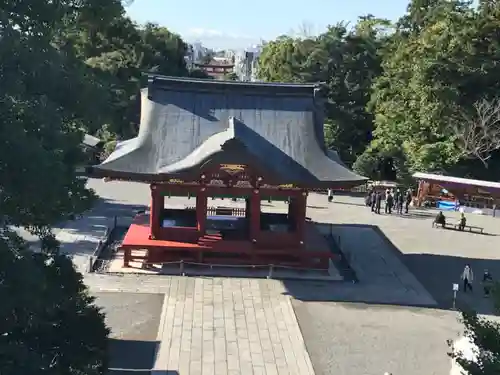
(231, 76)
(47, 316)
(163, 52)
(347, 61)
(430, 78)
(198, 73)
(48, 97)
(484, 334)
(121, 54)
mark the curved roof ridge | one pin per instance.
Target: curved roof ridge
(160, 79)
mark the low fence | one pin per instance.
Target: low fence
(271, 269)
(133, 371)
(116, 222)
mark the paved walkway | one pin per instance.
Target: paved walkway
(220, 326)
(436, 257)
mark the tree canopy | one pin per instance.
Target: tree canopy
(68, 68)
(406, 91)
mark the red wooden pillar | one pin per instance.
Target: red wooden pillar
(201, 210)
(127, 253)
(157, 205)
(255, 215)
(292, 207)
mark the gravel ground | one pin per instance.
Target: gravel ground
(357, 339)
(133, 319)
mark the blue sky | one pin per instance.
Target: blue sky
(238, 24)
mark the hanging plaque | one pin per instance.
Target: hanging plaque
(233, 168)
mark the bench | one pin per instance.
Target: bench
(470, 228)
(447, 225)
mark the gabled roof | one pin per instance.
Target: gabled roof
(456, 180)
(277, 128)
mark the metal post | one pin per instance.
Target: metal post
(91, 264)
(181, 268)
(454, 300)
(270, 276)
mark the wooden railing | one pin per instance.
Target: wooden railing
(229, 211)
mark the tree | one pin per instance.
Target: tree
(368, 165)
(478, 133)
(347, 61)
(413, 99)
(198, 73)
(208, 57)
(431, 77)
(48, 97)
(162, 51)
(483, 339)
(47, 316)
(231, 77)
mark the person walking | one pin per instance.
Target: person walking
(389, 203)
(487, 283)
(409, 198)
(374, 200)
(467, 278)
(330, 195)
(399, 202)
(378, 202)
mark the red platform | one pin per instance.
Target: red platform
(212, 249)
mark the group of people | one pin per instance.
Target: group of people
(468, 277)
(441, 220)
(392, 199)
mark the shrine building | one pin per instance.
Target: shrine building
(249, 142)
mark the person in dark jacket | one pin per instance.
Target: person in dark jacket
(440, 219)
(378, 202)
(400, 203)
(368, 200)
(409, 198)
(487, 283)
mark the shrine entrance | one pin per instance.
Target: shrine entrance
(232, 219)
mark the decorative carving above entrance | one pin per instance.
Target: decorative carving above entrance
(233, 169)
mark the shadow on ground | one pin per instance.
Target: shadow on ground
(436, 273)
(132, 357)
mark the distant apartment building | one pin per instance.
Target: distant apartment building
(246, 63)
(195, 53)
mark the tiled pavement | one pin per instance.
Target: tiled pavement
(220, 325)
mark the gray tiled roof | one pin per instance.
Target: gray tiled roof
(186, 122)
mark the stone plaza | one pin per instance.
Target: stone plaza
(396, 319)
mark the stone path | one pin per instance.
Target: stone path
(220, 325)
(80, 238)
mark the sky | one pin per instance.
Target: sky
(236, 24)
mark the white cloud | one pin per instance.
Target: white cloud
(200, 32)
(212, 38)
(212, 33)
